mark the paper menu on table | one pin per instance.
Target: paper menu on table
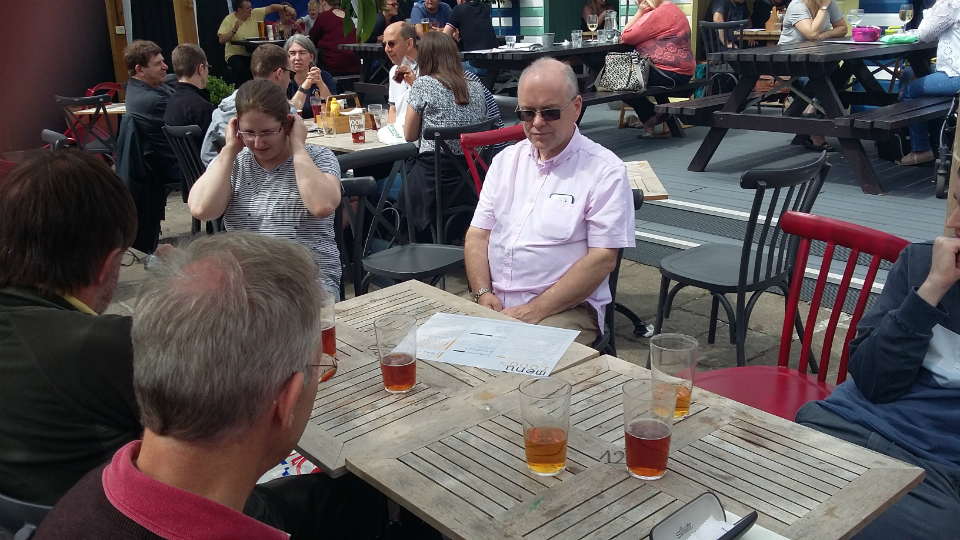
(513, 347)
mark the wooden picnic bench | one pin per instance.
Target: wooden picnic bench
(661, 94)
(878, 124)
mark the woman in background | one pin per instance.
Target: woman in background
(327, 33)
(307, 80)
(598, 8)
(659, 29)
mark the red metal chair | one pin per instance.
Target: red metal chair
(109, 88)
(779, 389)
(471, 142)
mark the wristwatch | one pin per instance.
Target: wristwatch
(303, 89)
(481, 292)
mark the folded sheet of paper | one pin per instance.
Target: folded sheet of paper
(529, 46)
(756, 532)
(512, 347)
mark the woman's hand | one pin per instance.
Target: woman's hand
(313, 78)
(233, 144)
(824, 3)
(298, 132)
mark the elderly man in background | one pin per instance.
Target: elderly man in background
(553, 213)
(269, 62)
(190, 103)
(239, 25)
(225, 394)
(66, 369)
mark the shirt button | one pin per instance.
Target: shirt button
(530, 200)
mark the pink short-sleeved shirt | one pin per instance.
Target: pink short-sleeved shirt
(544, 215)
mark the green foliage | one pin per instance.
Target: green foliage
(366, 18)
(218, 89)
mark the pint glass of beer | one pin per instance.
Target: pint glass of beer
(262, 29)
(424, 26)
(545, 414)
(328, 330)
(647, 425)
(673, 360)
(397, 346)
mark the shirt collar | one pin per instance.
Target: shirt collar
(170, 512)
(75, 302)
(546, 167)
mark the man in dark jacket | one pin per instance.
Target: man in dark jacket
(190, 103)
(147, 96)
(903, 399)
(66, 370)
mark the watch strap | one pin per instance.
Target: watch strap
(481, 292)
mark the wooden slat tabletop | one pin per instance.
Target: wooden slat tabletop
(112, 108)
(474, 483)
(354, 417)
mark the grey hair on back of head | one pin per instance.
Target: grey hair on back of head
(220, 326)
(569, 77)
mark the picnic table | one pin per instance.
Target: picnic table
(354, 417)
(342, 142)
(830, 66)
(111, 108)
(761, 34)
(252, 44)
(473, 483)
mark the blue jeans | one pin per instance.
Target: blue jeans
(935, 84)
(467, 66)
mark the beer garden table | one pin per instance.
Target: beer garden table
(828, 66)
(354, 417)
(473, 483)
(251, 44)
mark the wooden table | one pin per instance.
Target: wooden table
(474, 484)
(828, 66)
(590, 54)
(112, 108)
(342, 143)
(641, 176)
(761, 34)
(252, 44)
(354, 417)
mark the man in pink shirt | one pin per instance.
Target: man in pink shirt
(553, 213)
(226, 341)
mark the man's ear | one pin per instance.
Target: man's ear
(287, 400)
(106, 266)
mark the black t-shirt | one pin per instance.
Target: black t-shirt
(189, 106)
(473, 21)
(730, 10)
(761, 14)
(380, 26)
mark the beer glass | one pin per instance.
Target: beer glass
(673, 361)
(397, 347)
(357, 127)
(545, 415)
(647, 426)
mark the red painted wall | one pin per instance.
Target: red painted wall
(47, 48)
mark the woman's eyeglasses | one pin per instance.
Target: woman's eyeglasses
(250, 136)
(548, 115)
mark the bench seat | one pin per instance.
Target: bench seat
(879, 123)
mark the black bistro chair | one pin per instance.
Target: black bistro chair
(605, 341)
(764, 260)
(186, 142)
(88, 135)
(363, 189)
(710, 34)
(19, 519)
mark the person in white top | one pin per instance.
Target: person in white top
(941, 22)
(399, 40)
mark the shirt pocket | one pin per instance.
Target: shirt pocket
(557, 220)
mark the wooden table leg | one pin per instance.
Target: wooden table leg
(862, 168)
(673, 123)
(735, 103)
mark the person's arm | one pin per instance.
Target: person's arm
(839, 28)
(653, 26)
(208, 149)
(411, 125)
(273, 8)
(936, 21)
(643, 6)
(319, 191)
(226, 34)
(810, 28)
(574, 287)
(210, 194)
(477, 262)
(893, 336)
(392, 114)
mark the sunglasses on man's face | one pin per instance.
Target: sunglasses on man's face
(548, 115)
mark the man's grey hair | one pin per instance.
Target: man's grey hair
(302, 41)
(569, 77)
(220, 326)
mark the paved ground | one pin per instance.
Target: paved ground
(638, 289)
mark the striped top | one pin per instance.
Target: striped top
(268, 202)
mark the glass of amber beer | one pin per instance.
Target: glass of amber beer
(397, 346)
(673, 360)
(328, 330)
(545, 414)
(647, 425)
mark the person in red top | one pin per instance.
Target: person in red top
(327, 33)
(660, 30)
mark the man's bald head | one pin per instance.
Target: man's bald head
(553, 70)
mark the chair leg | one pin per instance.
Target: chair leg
(194, 226)
(365, 284)
(731, 316)
(741, 332)
(671, 296)
(714, 307)
(639, 325)
(661, 304)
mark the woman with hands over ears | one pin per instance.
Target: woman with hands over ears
(267, 179)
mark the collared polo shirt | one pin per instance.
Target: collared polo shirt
(543, 216)
(247, 30)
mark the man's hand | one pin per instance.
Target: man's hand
(237, 25)
(233, 144)
(944, 270)
(525, 312)
(407, 75)
(491, 301)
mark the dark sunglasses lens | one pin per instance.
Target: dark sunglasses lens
(526, 116)
(550, 115)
